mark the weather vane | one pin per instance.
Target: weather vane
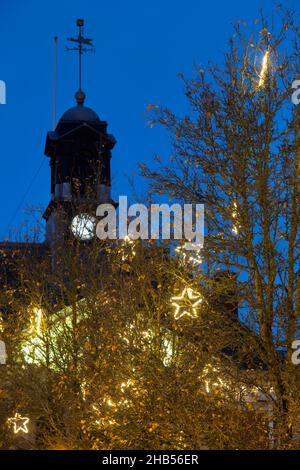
(83, 45)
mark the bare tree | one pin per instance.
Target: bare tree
(237, 151)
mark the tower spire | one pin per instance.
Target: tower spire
(83, 45)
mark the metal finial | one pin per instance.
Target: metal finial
(80, 97)
(83, 45)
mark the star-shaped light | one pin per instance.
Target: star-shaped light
(188, 257)
(20, 423)
(186, 303)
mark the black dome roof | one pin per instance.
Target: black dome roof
(80, 113)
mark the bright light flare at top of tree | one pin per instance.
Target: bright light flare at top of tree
(264, 69)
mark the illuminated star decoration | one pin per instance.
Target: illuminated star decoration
(188, 257)
(20, 423)
(186, 303)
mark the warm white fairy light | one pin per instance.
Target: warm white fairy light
(101, 422)
(264, 69)
(130, 243)
(110, 403)
(19, 423)
(186, 303)
(234, 216)
(125, 385)
(217, 381)
(83, 388)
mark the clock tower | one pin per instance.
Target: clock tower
(79, 150)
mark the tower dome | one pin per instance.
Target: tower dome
(80, 113)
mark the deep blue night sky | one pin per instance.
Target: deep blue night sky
(141, 46)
